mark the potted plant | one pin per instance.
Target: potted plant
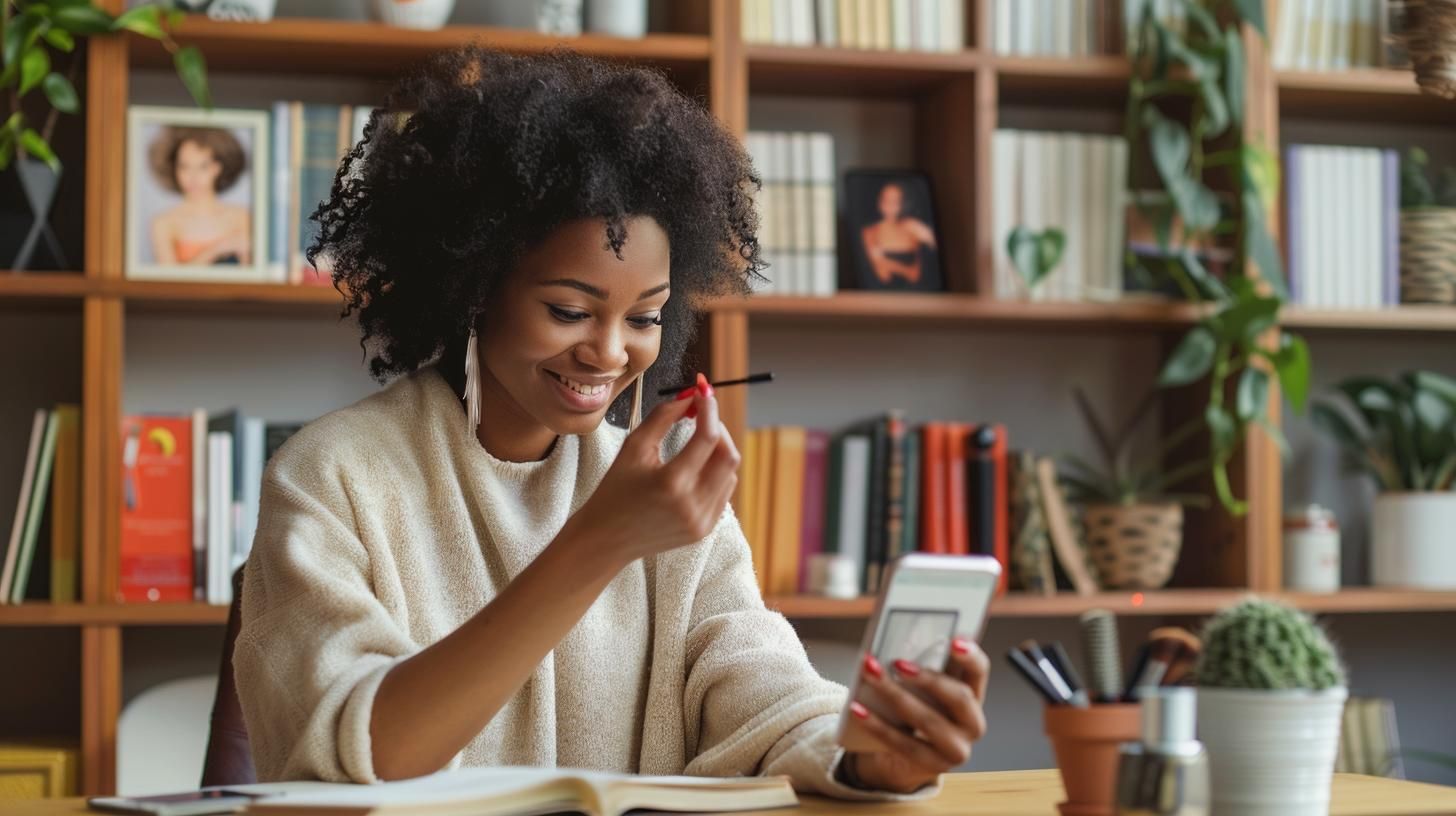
(32, 32)
(1427, 231)
(1184, 127)
(1035, 253)
(1271, 694)
(1132, 523)
(1402, 433)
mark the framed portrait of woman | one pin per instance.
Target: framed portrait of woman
(892, 237)
(196, 195)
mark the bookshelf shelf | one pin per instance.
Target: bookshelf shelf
(175, 614)
(379, 50)
(851, 71)
(1162, 602)
(1389, 94)
(244, 298)
(1079, 81)
(1408, 318)
(974, 310)
(43, 285)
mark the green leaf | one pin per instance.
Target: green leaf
(1439, 384)
(1211, 287)
(1050, 248)
(33, 68)
(1191, 359)
(36, 146)
(60, 39)
(192, 69)
(1291, 363)
(1215, 109)
(7, 147)
(1196, 203)
(1260, 246)
(1246, 319)
(83, 19)
(1035, 254)
(1221, 430)
(1202, 18)
(1253, 393)
(1233, 74)
(1171, 146)
(1252, 12)
(1272, 431)
(143, 20)
(62, 95)
(17, 33)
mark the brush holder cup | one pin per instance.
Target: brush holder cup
(1086, 743)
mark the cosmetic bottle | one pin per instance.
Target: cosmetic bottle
(1166, 772)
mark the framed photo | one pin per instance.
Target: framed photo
(892, 233)
(196, 195)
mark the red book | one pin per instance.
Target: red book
(156, 509)
(811, 540)
(933, 494)
(958, 522)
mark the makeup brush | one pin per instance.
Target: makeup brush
(1163, 649)
(1100, 650)
(1182, 665)
(1064, 688)
(765, 376)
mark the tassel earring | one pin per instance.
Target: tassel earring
(635, 418)
(472, 383)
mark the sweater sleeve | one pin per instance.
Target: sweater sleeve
(760, 707)
(315, 640)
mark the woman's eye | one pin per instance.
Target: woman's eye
(567, 315)
(646, 322)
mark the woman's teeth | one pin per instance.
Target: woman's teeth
(581, 388)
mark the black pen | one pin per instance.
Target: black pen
(1059, 658)
(1033, 675)
(1059, 683)
(765, 376)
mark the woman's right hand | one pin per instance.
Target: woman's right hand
(644, 506)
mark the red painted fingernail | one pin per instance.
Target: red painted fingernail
(686, 393)
(704, 387)
(873, 667)
(906, 668)
(960, 646)
(858, 710)
(692, 411)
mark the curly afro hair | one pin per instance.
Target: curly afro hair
(482, 154)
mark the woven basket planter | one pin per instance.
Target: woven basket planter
(1430, 38)
(1428, 255)
(1134, 546)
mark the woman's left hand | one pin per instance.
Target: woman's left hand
(943, 732)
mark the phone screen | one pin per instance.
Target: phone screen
(921, 636)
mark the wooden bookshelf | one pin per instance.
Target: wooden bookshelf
(1168, 602)
(958, 98)
(378, 50)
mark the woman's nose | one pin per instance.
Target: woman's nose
(605, 351)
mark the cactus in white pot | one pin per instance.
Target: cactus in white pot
(1270, 700)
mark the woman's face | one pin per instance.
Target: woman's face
(197, 169)
(892, 199)
(573, 326)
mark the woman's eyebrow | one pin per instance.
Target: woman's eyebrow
(597, 293)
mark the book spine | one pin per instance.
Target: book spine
(811, 539)
(803, 224)
(824, 255)
(834, 493)
(763, 521)
(877, 504)
(788, 510)
(855, 505)
(199, 505)
(22, 504)
(828, 23)
(933, 489)
(278, 249)
(1005, 155)
(901, 27)
(957, 526)
(1293, 225)
(1390, 222)
(66, 506)
(910, 538)
(894, 488)
(40, 488)
(157, 553)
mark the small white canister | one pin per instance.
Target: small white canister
(1311, 550)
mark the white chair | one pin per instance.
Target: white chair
(162, 736)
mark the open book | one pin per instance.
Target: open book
(516, 791)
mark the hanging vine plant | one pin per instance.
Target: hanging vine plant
(1185, 118)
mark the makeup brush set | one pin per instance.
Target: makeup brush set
(1165, 659)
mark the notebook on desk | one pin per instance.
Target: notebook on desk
(532, 791)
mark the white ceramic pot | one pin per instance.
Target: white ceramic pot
(619, 18)
(414, 13)
(1413, 540)
(1270, 753)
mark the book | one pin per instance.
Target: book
(910, 539)
(157, 553)
(957, 527)
(66, 507)
(823, 259)
(280, 154)
(877, 431)
(811, 535)
(219, 517)
(199, 504)
(319, 137)
(22, 503)
(763, 521)
(36, 511)
(517, 791)
(934, 508)
(788, 510)
(854, 496)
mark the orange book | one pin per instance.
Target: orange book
(933, 495)
(958, 522)
(156, 509)
(745, 495)
(788, 510)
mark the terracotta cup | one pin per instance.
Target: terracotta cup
(1086, 742)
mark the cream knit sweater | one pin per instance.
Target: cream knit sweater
(385, 525)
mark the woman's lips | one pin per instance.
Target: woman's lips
(581, 396)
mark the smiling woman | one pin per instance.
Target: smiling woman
(540, 587)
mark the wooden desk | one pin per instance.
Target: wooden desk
(1014, 793)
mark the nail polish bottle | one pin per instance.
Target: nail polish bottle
(1166, 772)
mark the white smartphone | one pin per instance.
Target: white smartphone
(925, 601)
